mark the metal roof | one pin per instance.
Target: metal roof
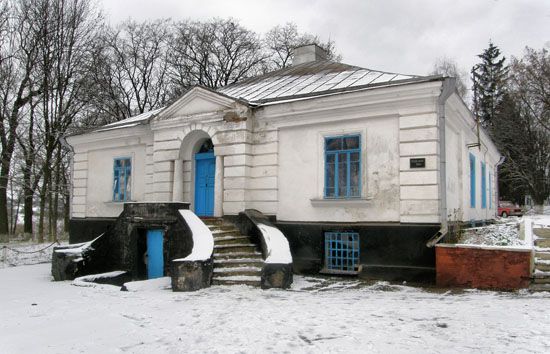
(132, 121)
(311, 79)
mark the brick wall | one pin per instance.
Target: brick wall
(482, 267)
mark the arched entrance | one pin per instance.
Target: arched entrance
(205, 177)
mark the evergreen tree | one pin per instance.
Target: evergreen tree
(489, 81)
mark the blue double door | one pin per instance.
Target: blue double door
(205, 176)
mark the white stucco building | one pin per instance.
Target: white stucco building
(323, 147)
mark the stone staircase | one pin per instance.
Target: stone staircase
(541, 276)
(236, 259)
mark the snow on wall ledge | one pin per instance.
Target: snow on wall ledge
(203, 241)
(277, 247)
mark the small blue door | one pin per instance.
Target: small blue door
(155, 256)
(205, 170)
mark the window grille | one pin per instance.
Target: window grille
(342, 251)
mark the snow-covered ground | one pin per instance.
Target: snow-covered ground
(504, 232)
(19, 253)
(316, 315)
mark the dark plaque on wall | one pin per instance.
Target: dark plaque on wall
(418, 163)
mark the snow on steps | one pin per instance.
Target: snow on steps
(541, 275)
(236, 259)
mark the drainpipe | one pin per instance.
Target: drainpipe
(448, 87)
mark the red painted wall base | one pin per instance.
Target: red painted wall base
(482, 267)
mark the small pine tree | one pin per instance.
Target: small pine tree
(489, 84)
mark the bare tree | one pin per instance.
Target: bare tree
(31, 168)
(67, 35)
(214, 53)
(281, 41)
(18, 60)
(129, 69)
(448, 67)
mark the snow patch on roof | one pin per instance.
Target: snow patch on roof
(132, 121)
(77, 249)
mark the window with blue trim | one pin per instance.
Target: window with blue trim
(472, 181)
(343, 166)
(490, 190)
(342, 251)
(122, 179)
(483, 186)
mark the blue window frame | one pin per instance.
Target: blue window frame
(343, 166)
(472, 181)
(122, 179)
(483, 186)
(342, 251)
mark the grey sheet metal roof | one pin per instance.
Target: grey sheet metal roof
(312, 79)
(132, 121)
(304, 80)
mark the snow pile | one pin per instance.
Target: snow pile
(545, 211)
(498, 234)
(203, 241)
(89, 280)
(77, 250)
(278, 250)
(164, 283)
(16, 254)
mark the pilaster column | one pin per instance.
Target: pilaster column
(177, 189)
(218, 187)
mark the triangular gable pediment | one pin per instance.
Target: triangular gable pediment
(198, 101)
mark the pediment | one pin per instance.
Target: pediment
(197, 101)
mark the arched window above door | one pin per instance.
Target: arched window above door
(207, 146)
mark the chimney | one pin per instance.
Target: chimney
(307, 53)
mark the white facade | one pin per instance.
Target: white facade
(270, 157)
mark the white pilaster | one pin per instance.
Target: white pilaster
(177, 188)
(218, 187)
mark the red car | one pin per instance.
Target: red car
(506, 208)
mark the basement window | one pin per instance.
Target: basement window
(341, 252)
(122, 173)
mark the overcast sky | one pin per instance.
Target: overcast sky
(393, 35)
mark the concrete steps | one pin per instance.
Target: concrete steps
(235, 247)
(236, 259)
(541, 276)
(542, 255)
(231, 240)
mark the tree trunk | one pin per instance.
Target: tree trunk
(41, 213)
(4, 174)
(56, 190)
